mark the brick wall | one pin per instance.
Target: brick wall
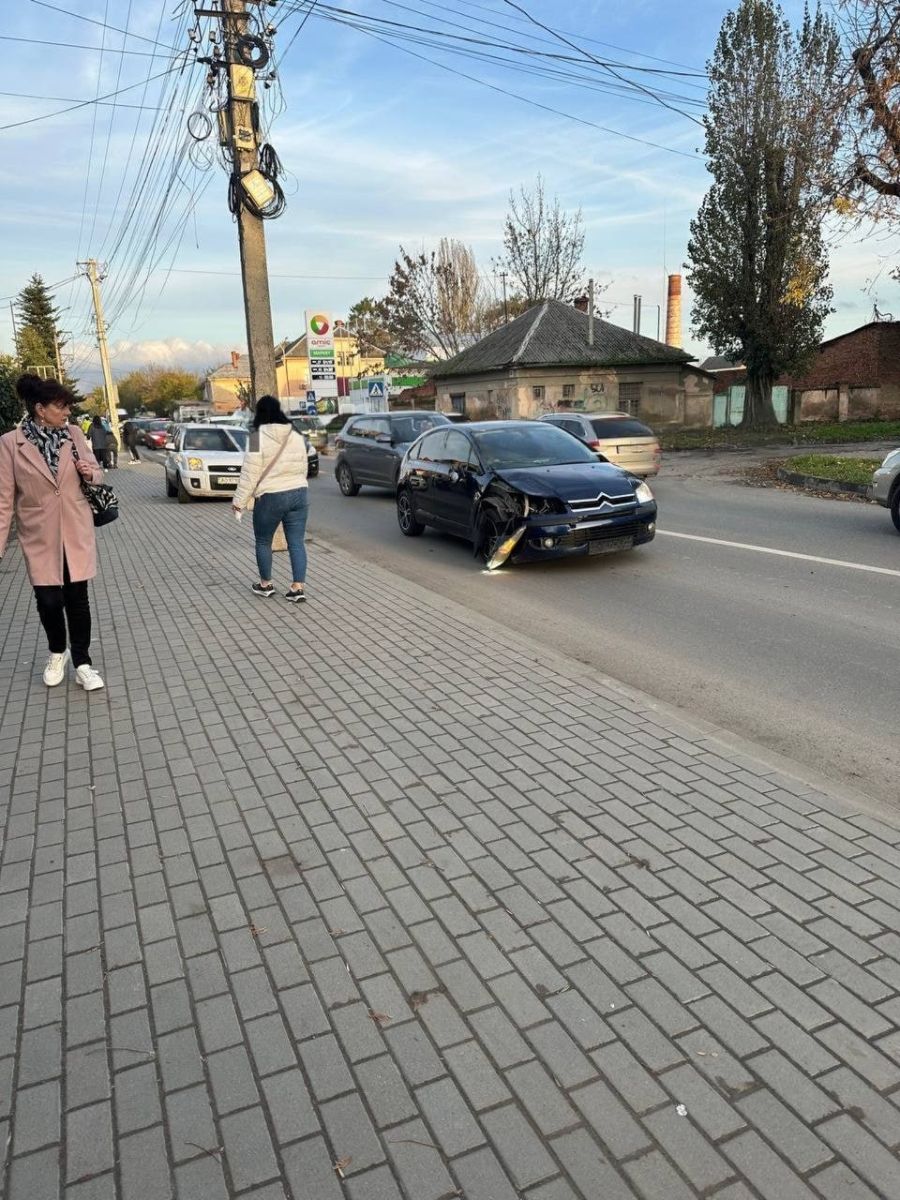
(866, 358)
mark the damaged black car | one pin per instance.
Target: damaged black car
(521, 491)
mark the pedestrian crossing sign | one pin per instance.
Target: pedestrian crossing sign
(376, 389)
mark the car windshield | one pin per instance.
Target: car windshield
(158, 426)
(217, 440)
(241, 436)
(620, 427)
(304, 424)
(532, 445)
(407, 429)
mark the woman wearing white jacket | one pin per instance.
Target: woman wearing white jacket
(273, 481)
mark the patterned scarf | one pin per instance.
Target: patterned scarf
(48, 441)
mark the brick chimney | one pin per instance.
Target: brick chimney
(673, 312)
(581, 303)
(235, 359)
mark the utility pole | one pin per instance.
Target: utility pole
(251, 232)
(59, 370)
(505, 305)
(637, 314)
(12, 313)
(109, 387)
(590, 312)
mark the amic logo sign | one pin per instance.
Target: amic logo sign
(319, 325)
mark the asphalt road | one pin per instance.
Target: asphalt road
(800, 656)
(792, 652)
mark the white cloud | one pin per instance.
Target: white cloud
(128, 356)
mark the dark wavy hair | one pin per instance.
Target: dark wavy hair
(269, 412)
(32, 391)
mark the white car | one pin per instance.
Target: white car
(885, 488)
(205, 461)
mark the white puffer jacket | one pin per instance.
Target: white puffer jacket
(286, 475)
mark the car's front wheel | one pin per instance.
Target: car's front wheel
(184, 496)
(406, 517)
(346, 482)
(895, 508)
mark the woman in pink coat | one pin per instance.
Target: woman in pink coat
(40, 482)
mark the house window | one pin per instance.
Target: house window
(629, 398)
(537, 392)
(568, 391)
(458, 402)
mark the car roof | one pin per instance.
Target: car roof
(477, 426)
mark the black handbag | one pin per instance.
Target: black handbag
(103, 501)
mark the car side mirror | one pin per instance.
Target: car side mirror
(384, 439)
(170, 445)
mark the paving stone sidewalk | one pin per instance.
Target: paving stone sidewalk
(372, 899)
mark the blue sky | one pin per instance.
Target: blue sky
(380, 148)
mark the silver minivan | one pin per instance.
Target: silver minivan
(616, 437)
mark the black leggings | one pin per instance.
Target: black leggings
(58, 606)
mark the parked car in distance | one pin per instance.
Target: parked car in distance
(204, 461)
(154, 435)
(370, 448)
(886, 486)
(311, 429)
(521, 490)
(614, 437)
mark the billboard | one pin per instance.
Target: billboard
(320, 352)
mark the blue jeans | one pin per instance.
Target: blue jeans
(289, 509)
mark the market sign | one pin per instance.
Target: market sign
(320, 351)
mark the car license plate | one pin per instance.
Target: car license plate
(227, 480)
(611, 545)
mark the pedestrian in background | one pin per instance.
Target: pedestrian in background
(98, 441)
(42, 464)
(129, 437)
(112, 450)
(242, 413)
(273, 483)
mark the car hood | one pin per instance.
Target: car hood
(225, 457)
(571, 481)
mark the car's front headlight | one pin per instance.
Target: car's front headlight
(892, 459)
(643, 494)
(195, 464)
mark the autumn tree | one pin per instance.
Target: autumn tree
(544, 247)
(869, 185)
(434, 303)
(368, 321)
(758, 264)
(158, 389)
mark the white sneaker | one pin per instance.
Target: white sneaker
(88, 678)
(55, 670)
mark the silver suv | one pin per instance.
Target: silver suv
(886, 486)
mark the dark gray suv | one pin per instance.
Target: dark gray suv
(369, 449)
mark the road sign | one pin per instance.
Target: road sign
(376, 389)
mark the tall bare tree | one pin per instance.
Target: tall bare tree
(758, 264)
(435, 301)
(871, 183)
(544, 246)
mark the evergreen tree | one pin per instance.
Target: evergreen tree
(38, 324)
(10, 404)
(758, 264)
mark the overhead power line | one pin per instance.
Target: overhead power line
(587, 54)
(103, 25)
(84, 103)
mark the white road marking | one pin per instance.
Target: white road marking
(813, 558)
